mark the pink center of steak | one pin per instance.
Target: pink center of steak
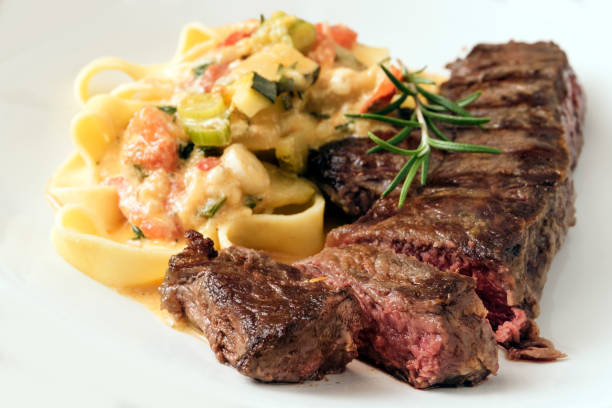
(488, 288)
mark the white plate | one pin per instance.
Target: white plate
(68, 341)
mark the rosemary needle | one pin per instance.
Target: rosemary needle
(382, 118)
(438, 109)
(398, 138)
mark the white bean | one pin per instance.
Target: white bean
(247, 169)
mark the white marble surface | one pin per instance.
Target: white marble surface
(66, 341)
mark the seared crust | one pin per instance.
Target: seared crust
(500, 218)
(351, 178)
(426, 326)
(265, 318)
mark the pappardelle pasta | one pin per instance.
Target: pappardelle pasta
(213, 140)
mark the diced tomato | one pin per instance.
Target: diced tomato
(322, 29)
(118, 182)
(323, 51)
(383, 94)
(150, 140)
(234, 37)
(342, 35)
(155, 225)
(167, 227)
(208, 163)
(211, 75)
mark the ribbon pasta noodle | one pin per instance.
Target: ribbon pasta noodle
(88, 217)
(211, 140)
(91, 232)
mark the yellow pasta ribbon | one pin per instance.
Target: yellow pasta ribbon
(91, 232)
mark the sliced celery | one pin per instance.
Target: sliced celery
(202, 118)
(303, 34)
(212, 132)
(201, 106)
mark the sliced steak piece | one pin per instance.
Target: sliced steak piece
(503, 242)
(265, 318)
(498, 218)
(425, 326)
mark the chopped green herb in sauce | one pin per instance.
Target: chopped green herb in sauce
(265, 87)
(138, 234)
(170, 110)
(313, 76)
(251, 201)
(211, 207)
(200, 69)
(285, 84)
(141, 172)
(210, 151)
(320, 115)
(286, 101)
(184, 150)
(343, 127)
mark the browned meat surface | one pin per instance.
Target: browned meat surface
(349, 177)
(352, 179)
(425, 326)
(265, 318)
(390, 291)
(498, 218)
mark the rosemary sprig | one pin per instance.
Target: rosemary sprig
(424, 117)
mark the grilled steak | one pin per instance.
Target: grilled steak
(498, 218)
(425, 326)
(390, 289)
(265, 318)
(352, 179)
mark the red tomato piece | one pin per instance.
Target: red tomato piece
(155, 225)
(322, 51)
(342, 35)
(234, 37)
(150, 140)
(211, 75)
(208, 163)
(385, 91)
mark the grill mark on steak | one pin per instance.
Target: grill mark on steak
(263, 317)
(507, 93)
(352, 179)
(500, 218)
(426, 327)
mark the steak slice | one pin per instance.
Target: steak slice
(498, 218)
(265, 318)
(425, 326)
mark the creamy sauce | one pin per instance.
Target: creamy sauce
(163, 191)
(149, 297)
